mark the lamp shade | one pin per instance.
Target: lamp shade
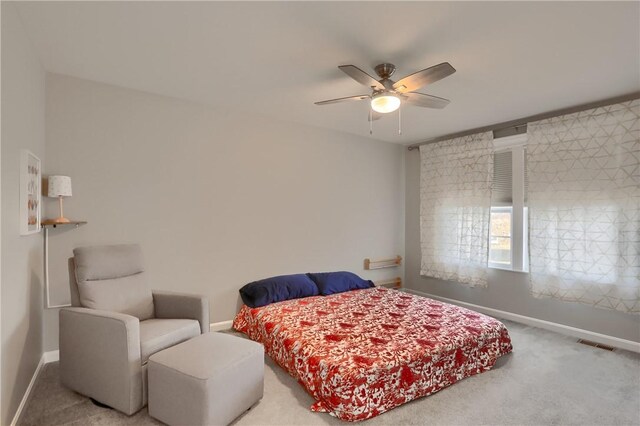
(59, 186)
(385, 102)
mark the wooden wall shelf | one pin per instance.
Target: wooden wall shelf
(52, 224)
(382, 263)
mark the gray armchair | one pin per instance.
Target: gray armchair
(117, 322)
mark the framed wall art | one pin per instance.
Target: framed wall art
(30, 193)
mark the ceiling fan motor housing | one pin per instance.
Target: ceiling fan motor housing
(385, 70)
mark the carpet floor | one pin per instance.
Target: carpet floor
(549, 379)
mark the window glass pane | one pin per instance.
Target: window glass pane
(501, 224)
(500, 237)
(500, 250)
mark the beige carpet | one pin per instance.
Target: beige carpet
(548, 379)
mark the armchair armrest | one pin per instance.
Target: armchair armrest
(181, 305)
(100, 356)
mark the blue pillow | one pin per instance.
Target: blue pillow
(276, 289)
(337, 282)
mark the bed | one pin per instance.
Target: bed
(363, 352)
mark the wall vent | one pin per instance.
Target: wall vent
(596, 345)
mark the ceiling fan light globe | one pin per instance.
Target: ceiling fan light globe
(385, 103)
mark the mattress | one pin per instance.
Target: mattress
(364, 352)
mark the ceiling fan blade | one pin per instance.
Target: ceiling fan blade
(348, 98)
(373, 116)
(361, 77)
(427, 101)
(424, 77)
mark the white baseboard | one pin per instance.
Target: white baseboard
(27, 393)
(222, 325)
(579, 333)
(51, 356)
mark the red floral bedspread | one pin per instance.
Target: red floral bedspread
(364, 352)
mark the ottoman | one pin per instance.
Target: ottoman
(208, 380)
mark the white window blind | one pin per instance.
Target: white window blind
(502, 190)
(526, 176)
(501, 194)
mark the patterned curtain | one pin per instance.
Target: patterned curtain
(455, 204)
(584, 207)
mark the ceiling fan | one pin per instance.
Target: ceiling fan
(387, 95)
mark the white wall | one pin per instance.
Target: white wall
(507, 291)
(216, 199)
(23, 103)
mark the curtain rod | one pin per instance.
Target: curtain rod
(522, 122)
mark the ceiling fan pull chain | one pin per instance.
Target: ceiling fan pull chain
(370, 121)
(400, 120)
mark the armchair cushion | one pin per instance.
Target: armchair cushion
(112, 278)
(159, 334)
(108, 262)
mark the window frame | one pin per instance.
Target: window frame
(498, 265)
(519, 223)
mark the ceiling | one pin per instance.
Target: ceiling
(513, 59)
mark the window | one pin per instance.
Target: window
(508, 230)
(500, 240)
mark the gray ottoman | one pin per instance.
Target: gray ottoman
(208, 380)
